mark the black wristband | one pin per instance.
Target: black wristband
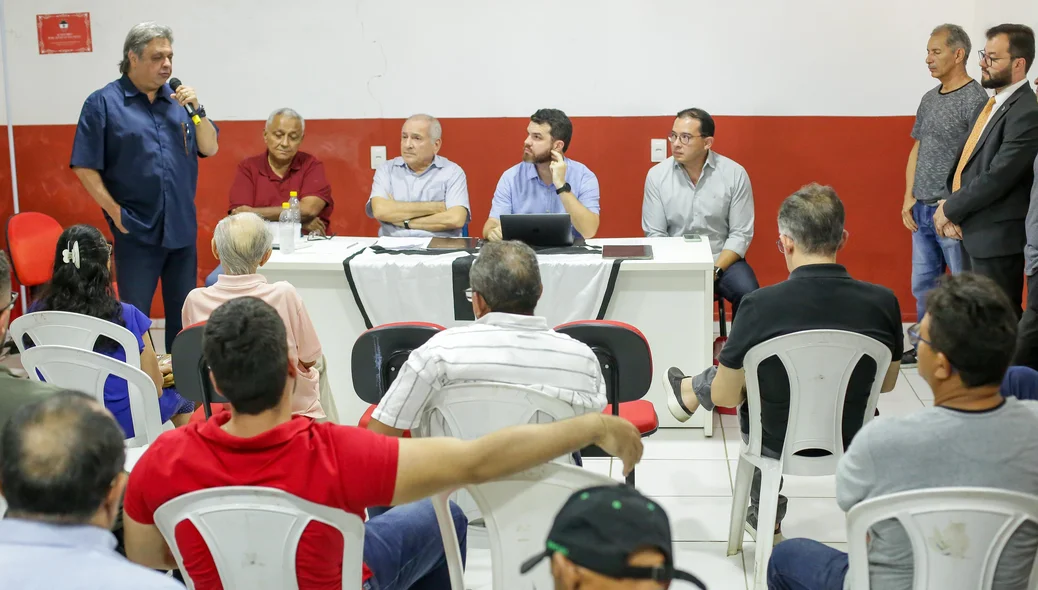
(566, 188)
(407, 224)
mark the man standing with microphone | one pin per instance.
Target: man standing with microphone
(136, 152)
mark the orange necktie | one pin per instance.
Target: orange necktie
(971, 143)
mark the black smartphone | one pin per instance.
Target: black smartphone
(693, 238)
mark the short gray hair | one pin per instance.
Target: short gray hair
(957, 38)
(288, 114)
(242, 240)
(506, 276)
(139, 37)
(435, 130)
(813, 218)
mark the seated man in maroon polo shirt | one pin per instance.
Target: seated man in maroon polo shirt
(260, 443)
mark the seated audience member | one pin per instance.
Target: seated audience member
(819, 295)
(507, 344)
(242, 243)
(971, 437)
(420, 193)
(259, 442)
(611, 537)
(1021, 383)
(699, 191)
(546, 181)
(82, 283)
(266, 180)
(61, 472)
(15, 391)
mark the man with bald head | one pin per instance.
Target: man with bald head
(420, 193)
(61, 472)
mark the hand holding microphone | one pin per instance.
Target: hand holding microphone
(185, 95)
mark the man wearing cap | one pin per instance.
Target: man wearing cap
(610, 537)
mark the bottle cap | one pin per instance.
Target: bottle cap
(293, 194)
(284, 205)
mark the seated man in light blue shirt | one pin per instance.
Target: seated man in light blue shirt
(699, 191)
(61, 472)
(420, 193)
(546, 181)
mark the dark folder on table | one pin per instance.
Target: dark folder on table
(627, 252)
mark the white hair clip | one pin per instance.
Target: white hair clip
(71, 254)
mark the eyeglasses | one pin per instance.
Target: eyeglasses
(316, 237)
(684, 137)
(14, 299)
(985, 58)
(914, 338)
(468, 294)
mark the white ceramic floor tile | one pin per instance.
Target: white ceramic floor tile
(684, 478)
(815, 518)
(729, 420)
(710, 563)
(920, 386)
(603, 466)
(898, 408)
(698, 519)
(683, 443)
(158, 338)
(479, 574)
(902, 391)
(795, 486)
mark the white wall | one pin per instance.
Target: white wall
(473, 58)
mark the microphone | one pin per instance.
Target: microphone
(175, 83)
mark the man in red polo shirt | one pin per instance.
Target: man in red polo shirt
(260, 443)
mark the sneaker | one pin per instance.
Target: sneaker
(909, 359)
(751, 527)
(675, 404)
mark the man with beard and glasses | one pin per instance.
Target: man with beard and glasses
(990, 184)
(547, 181)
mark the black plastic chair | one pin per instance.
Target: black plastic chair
(190, 370)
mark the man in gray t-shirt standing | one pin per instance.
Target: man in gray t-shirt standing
(942, 123)
(972, 437)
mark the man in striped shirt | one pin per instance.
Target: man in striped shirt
(507, 344)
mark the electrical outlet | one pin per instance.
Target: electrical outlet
(657, 150)
(378, 156)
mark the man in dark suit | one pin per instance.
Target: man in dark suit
(990, 187)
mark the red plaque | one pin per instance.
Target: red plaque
(64, 33)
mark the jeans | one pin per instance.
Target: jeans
(211, 279)
(803, 564)
(1021, 383)
(737, 282)
(931, 255)
(403, 548)
(138, 268)
(1027, 332)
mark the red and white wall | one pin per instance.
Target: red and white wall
(803, 90)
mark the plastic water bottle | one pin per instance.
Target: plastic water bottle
(297, 216)
(286, 230)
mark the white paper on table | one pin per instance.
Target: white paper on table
(405, 243)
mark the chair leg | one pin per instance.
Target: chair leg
(630, 478)
(708, 423)
(767, 513)
(452, 548)
(740, 504)
(722, 326)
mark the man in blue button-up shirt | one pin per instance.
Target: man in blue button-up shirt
(136, 152)
(63, 477)
(546, 181)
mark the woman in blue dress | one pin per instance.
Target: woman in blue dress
(82, 283)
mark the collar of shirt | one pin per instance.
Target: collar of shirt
(213, 431)
(1002, 96)
(828, 270)
(130, 90)
(15, 531)
(437, 162)
(240, 281)
(530, 169)
(515, 321)
(294, 166)
(711, 162)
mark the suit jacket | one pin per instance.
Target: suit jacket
(992, 202)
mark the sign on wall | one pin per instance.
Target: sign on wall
(64, 33)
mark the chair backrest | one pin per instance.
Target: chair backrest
(83, 370)
(622, 351)
(191, 371)
(518, 510)
(32, 239)
(957, 534)
(253, 534)
(379, 353)
(63, 328)
(818, 365)
(471, 410)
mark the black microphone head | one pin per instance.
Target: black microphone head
(174, 83)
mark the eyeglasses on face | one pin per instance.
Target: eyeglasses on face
(684, 138)
(986, 58)
(14, 299)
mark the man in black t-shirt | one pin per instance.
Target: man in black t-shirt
(819, 295)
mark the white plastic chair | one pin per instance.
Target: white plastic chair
(253, 534)
(471, 410)
(72, 329)
(984, 518)
(83, 370)
(818, 364)
(519, 510)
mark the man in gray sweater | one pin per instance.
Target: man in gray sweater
(973, 436)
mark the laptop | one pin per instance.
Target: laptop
(550, 230)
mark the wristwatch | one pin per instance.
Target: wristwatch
(564, 189)
(200, 111)
(407, 224)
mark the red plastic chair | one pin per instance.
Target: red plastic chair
(32, 239)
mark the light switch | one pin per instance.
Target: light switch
(378, 156)
(658, 150)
